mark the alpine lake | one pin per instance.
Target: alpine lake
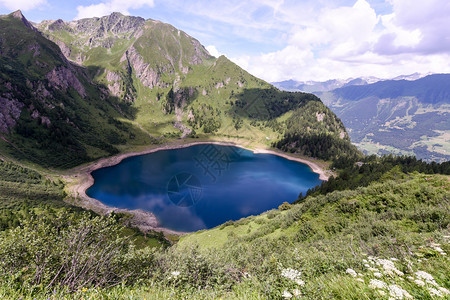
(202, 186)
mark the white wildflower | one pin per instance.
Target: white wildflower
(293, 275)
(437, 247)
(393, 259)
(444, 290)
(175, 273)
(382, 293)
(427, 277)
(389, 267)
(398, 293)
(419, 282)
(377, 284)
(386, 263)
(286, 295)
(290, 274)
(378, 274)
(367, 266)
(410, 278)
(398, 272)
(300, 282)
(434, 292)
(373, 269)
(360, 279)
(296, 292)
(351, 272)
(365, 261)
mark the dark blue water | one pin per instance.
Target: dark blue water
(202, 186)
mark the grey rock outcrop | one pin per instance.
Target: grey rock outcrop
(18, 15)
(146, 74)
(10, 110)
(63, 78)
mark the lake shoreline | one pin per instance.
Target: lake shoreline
(82, 180)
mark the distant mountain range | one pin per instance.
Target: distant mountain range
(324, 86)
(405, 115)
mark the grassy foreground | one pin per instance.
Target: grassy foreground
(387, 240)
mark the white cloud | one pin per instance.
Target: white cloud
(108, 7)
(354, 41)
(421, 27)
(22, 4)
(213, 51)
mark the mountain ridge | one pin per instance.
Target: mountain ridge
(397, 116)
(331, 84)
(158, 82)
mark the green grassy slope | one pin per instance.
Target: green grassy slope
(404, 220)
(63, 118)
(177, 89)
(389, 239)
(26, 194)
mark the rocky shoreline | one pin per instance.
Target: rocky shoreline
(81, 180)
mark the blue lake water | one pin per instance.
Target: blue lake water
(202, 186)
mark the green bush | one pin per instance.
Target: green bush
(72, 251)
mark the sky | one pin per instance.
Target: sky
(285, 39)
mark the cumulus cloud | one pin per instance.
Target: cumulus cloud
(421, 27)
(22, 4)
(354, 41)
(213, 51)
(107, 7)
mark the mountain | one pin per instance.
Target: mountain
(325, 86)
(313, 86)
(72, 92)
(397, 116)
(51, 111)
(100, 86)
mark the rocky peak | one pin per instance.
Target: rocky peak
(57, 25)
(114, 23)
(18, 15)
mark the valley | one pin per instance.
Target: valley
(132, 101)
(399, 116)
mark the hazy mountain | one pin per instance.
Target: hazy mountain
(397, 116)
(324, 86)
(311, 86)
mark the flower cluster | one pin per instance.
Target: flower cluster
(351, 272)
(293, 275)
(377, 284)
(386, 268)
(174, 275)
(295, 293)
(397, 292)
(437, 247)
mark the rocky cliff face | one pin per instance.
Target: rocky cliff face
(145, 49)
(10, 110)
(63, 78)
(144, 72)
(51, 111)
(18, 15)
